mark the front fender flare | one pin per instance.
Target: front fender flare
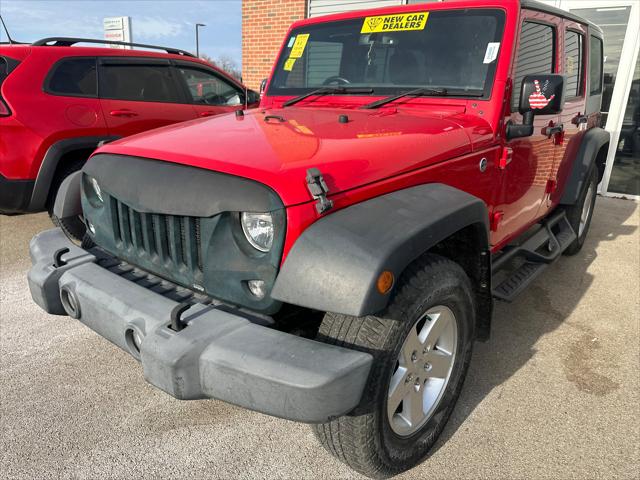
(334, 265)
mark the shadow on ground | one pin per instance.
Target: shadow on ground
(545, 306)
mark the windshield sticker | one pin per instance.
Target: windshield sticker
(291, 40)
(395, 23)
(289, 63)
(299, 46)
(492, 52)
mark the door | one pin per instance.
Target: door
(208, 92)
(138, 94)
(576, 116)
(524, 180)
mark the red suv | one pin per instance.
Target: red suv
(58, 103)
(331, 257)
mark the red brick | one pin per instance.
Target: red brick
(264, 25)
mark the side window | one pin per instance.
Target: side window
(73, 76)
(595, 66)
(138, 82)
(573, 46)
(206, 88)
(535, 55)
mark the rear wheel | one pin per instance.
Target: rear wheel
(73, 227)
(580, 214)
(421, 346)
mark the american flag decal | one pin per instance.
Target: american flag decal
(537, 100)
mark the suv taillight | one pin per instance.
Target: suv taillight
(7, 65)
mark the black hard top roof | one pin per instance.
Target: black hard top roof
(543, 7)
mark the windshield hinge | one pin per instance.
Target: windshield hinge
(318, 189)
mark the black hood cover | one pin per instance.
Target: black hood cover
(155, 186)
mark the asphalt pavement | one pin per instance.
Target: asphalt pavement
(554, 394)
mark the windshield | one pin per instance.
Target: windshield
(456, 50)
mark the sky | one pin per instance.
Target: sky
(159, 22)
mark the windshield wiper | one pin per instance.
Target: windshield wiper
(411, 93)
(327, 91)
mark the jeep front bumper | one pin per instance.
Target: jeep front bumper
(219, 354)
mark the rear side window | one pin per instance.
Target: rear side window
(7, 65)
(595, 65)
(75, 77)
(138, 82)
(535, 55)
(573, 46)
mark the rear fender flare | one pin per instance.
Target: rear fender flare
(593, 140)
(335, 264)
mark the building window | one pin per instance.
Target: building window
(573, 47)
(535, 55)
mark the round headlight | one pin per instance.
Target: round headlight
(258, 228)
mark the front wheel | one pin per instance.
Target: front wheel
(422, 347)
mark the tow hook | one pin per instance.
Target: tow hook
(318, 189)
(57, 257)
(177, 323)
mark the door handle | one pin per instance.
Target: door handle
(123, 113)
(207, 114)
(551, 131)
(578, 119)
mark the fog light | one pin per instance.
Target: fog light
(91, 228)
(257, 288)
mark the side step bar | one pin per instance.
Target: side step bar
(538, 251)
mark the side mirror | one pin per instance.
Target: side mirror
(263, 85)
(253, 97)
(540, 95)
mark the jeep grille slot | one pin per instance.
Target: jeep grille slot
(165, 239)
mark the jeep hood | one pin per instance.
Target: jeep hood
(276, 147)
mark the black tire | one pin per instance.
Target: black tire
(574, 212)
(365, 440)
(73, 227)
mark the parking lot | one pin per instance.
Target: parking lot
(553, 394)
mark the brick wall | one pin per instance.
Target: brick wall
(264, 23)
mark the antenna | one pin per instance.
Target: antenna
(6, 31)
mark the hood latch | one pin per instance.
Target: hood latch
(318, 189)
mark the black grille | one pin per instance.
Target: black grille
(167, 239)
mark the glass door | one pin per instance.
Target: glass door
(625, 173)
(620, 21)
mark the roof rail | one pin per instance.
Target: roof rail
(68, 41)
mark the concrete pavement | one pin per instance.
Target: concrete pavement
(554, 393)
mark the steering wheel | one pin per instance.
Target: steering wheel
(336, 79)
(213, 99)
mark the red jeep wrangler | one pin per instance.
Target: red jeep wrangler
(331, 257)
(58, 103)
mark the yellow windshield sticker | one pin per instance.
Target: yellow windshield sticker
(289, 63)
(395, 23)
(299, 45)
